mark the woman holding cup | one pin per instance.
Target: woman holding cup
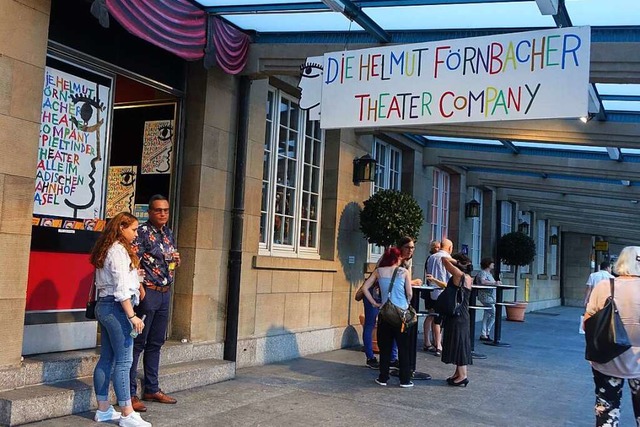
(118, 291)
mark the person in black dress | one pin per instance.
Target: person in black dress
(456, 343)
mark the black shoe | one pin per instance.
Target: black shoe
(487, 338)
(394, 364)
(461, 383)
(373, 363)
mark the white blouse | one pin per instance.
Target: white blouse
(117, 278)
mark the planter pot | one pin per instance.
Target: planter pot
(515, 312)
(374, 333)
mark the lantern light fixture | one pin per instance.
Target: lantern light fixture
(364, 169)
(472, 209)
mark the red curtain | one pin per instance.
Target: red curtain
(181, 28)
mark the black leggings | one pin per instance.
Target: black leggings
(608, 395)
(386, 336)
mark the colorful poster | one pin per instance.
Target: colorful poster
(121, 189)
(73, 140)
(157, 147)
(527, 75)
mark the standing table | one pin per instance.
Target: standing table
(472, 317)
(497, 329)
(413, 339)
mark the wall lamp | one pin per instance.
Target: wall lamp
(553, 240)
(364, 169)
(523, 227)
(472, 209)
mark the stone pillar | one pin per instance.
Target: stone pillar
(576, 267)
(205, 195)
(24, 27)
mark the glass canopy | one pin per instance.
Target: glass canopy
(306, 21)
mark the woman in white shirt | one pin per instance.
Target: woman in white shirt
(118, 291)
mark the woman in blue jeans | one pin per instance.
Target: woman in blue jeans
(118, 291)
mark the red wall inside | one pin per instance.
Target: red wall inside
(58, 281)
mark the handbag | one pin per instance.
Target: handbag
(605, 335)
(449, 302)
(90, 312)
(396, 316)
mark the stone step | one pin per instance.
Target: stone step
(69, 365)
(43, 401)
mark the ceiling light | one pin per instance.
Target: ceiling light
(585, 119)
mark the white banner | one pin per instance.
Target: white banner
(528, 75)
(72, 148)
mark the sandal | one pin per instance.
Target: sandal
(430, 349)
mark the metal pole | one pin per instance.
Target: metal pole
(234, 268)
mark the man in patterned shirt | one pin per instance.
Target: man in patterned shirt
(156, 248)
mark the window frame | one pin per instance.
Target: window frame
(272, 154)
(388, 176)
(541, 247)
(553, 252)
(440, 204)
(476, 229)
(506, 226)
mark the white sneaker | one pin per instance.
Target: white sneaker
(407, 385)
(133, 420)
(108, 415)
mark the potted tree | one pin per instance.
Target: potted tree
(389, 215)
(516, 249)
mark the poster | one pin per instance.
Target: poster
(72, 146)
(157, 147)
(527, 75)
(121, 189)
(141, 212)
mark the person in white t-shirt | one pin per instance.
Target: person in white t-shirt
(603, 274)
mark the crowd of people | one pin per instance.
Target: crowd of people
(447, 337)
(135, 268)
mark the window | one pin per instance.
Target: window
(291, 180)
(541, 246)
(506, 225)
(440, 205)
(506, 218)
(388, 169)
(476, 230)
(554, 253)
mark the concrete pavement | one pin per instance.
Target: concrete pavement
(542, 379)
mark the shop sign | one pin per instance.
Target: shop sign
(528, 75)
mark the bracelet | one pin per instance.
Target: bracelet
(134, 315)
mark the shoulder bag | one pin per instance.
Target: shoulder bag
(396, 316)
(90, 312)
(449, 302)
(605, 335)
(360, 292)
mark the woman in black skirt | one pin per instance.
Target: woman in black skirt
(456, 343)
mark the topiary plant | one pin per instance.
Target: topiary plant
(517, 249)
(389, 215)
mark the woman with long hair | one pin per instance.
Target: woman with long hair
(456, 343)
(609, 377)
(400, 295)
(118, 291)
